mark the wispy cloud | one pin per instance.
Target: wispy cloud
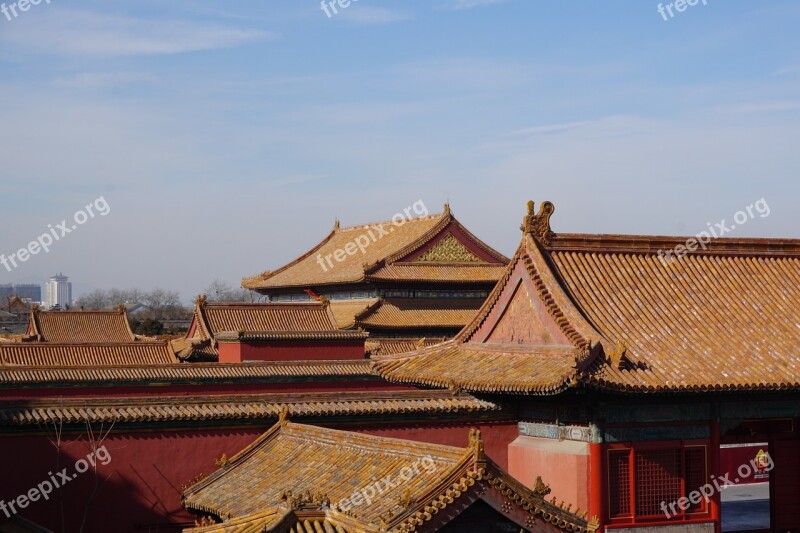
(83, 33)
(548, 129)
(788, 71)
(765, 107)
(360, 14)
(469, 4)
(97, 80)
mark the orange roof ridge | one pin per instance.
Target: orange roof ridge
(421, 218)
(651, 244)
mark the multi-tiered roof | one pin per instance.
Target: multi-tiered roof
(612, 312)
(425, 277)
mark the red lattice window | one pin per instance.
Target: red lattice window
(640, 480)
(658, 479)
(695, 469)
(619, 469)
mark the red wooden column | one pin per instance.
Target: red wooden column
(713, 467)
(597, 483)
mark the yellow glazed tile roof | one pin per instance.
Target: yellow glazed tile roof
(306, 468)
(606, 311)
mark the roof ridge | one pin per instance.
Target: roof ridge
(268, 274)
(420, 218)
(652, 244)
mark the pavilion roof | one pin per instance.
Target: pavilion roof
(80, 326)
(605, 311)
(15, 356)
(226, 321)
(295, 468)
(395, 252)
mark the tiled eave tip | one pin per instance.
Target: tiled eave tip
(683, 388)
(160, 411)
(185, 373)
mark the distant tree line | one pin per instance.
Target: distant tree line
(159, 303)
(220, 291)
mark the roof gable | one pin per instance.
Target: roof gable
(448, 250)
(80, 326)
(299, 467)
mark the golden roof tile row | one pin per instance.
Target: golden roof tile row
(437, 273)
(415, 313)
(54, 375)
(35, 354)
(240, 407)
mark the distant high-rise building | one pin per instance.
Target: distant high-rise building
(29, 292)
(59, 291)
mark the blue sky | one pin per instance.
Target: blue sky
(227, 136)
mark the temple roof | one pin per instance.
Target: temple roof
(429, 248)
(297, 469)
(393, 345)
(217, 317)
(234, 321)
(254, 407)
(14, 375)
(80, 326)
(611, 312)
(345, 311)
(415, 313)
(55, 355)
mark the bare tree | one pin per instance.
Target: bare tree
(221, 291)
(95, 441)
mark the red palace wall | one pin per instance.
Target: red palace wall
(146, 391)
(140, 488)
(235, 352)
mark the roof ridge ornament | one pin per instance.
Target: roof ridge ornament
(447, 212)
(283, 416)
(537, 225)
(201, 300)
